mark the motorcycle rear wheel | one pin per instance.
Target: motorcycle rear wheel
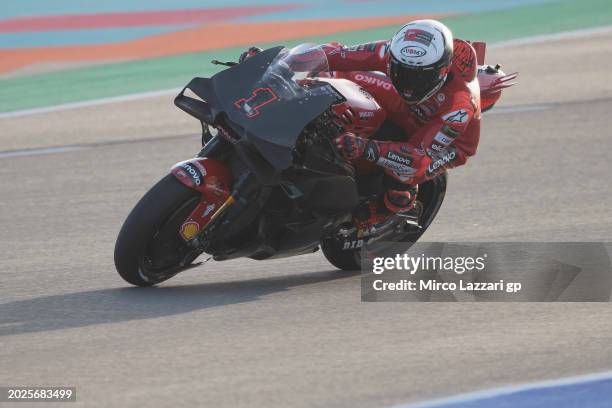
(431, 195)
(149, 246)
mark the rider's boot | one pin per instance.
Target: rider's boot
(374, 215)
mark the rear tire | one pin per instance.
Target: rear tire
(160, 208)
(431, 194)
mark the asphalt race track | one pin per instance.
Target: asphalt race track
(293, 332)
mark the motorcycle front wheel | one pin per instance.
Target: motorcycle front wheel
(149, 248)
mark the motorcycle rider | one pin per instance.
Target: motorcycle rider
(426, 82)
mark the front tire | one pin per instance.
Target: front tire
(150, 233)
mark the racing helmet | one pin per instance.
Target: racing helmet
(420, 56)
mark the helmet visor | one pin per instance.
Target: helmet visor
(414, 84)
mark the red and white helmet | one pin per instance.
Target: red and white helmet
(421, 53)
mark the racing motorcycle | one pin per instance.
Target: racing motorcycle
(268, 182)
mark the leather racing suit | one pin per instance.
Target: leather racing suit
(435, 135)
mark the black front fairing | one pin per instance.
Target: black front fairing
(263, 104)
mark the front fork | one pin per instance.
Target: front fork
(212, 178)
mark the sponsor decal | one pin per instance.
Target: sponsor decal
(189, 230)
(428, 108)
(444, 160)
(423, 112)
(382, 82)
(352, 244)
(371, 153)
(418, 111)
(383, 51)
(208, 210)
(201, 168)
(340, 50)
(193, 172)
(400, 169)
(368, 47)
(391, 155)
(413, 51)
(229, 136)
(259, 98)
(420, 36)
(366, 115)
(365, 93)
(420, 150)
(403, 178)
(450, 131)
(216, 186)
(443, 139)
(371, 47)
(459, 116)
(437, 148)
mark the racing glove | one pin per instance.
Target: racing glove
(396, 157)
(350, 146)
(249, 53)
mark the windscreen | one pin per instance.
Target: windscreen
(286, 74)
(270, 98)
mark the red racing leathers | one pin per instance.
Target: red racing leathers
(438, 133)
